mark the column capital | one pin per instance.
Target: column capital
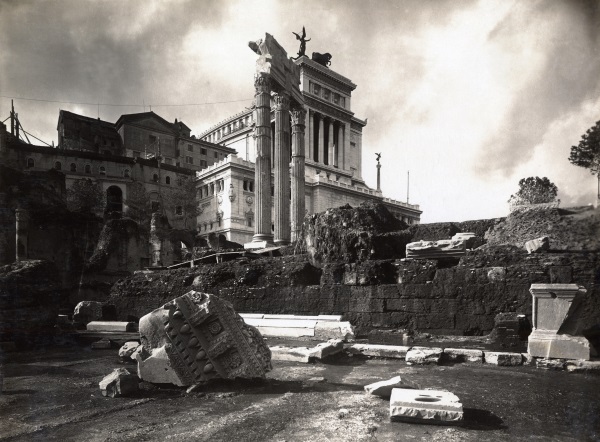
(298, 116)
(262, 83)
(282, 101)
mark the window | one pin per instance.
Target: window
(249, 222)
(152, 139)
(212, 188)
(190, 148)
(178, 164)
(136, 154)
(203, 151)
(251, 186)
(189, 160)
(216, 154)
(30, 162)
(352, 144)
(73, 167)
(88, 169)
(126, 173)
(102, 170)
(58, 165)
(245, 185)
(316, 89)
(168, 180)
(155, 178)
(179, 210)
(155, 206)
(203, 163)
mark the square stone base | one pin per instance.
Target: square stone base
(425, 406)
(548, 344)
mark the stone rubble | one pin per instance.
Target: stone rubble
(463, 355)
(379, 351)
(538, 245)
(119, 383)
(424, 355)
(127, 350)
(503, 358)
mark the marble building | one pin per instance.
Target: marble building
(333, 159)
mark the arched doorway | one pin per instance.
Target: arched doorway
(114, 199)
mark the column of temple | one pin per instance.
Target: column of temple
(262, 171)
(282, 168)
(298, 202)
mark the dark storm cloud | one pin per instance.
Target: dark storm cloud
(569, 76)
(107, 52)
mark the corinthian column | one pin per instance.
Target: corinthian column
(298, 125)
(282, 168)
(262, 171)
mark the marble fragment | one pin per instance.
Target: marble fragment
(198, 337)
(384, 388)
(127, 350)
(119, 383)
(424, 355)
(425, 406)
(503, 358)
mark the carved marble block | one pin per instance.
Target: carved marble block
(425, 406)
(198, 337)
(445, 248)
(553, 307)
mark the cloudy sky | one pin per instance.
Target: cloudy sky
(469, 96)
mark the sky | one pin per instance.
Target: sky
(468, 96)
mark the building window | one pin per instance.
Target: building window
(352, 144)
(168, 180)
(58, 165)
(88, 169)
(126, 173)
(216, 154)
(102, 170)
(251, 186)
(155, 178)
(155, 206)
(203, 163)
(245, 185)
(189, 160)
(30, 162)
(203, 151)
(190, 148)
(136, 154)
(152, 139)
(316, 89)
(73, 167)
(179, 210)
(249, 222)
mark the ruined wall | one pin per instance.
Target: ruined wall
(416, 294)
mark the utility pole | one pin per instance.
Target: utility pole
(12, 117)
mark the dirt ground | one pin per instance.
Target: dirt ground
(53, 394)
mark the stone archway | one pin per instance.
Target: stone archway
(114, 199)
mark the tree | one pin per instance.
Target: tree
(85, 196)
(534, 191)
(587, 152)
(138, 202)
(182, 200)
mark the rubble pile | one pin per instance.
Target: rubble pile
(347, 234)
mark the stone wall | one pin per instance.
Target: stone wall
(415, 294)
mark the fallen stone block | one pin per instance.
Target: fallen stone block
(425, 406)
(111, 326)
(424, 355)
(548, 344)
(538, 245)
(325, 349)
(444, 248)
(583, 366)
(102, 344)
(550, 364)
(119, 383)
(332, 329)
(379, 351)
(200, 337)
(528, 359)
(384, 388)
(127, 350)
(503, 358)
(463, 355)
(293, 354)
